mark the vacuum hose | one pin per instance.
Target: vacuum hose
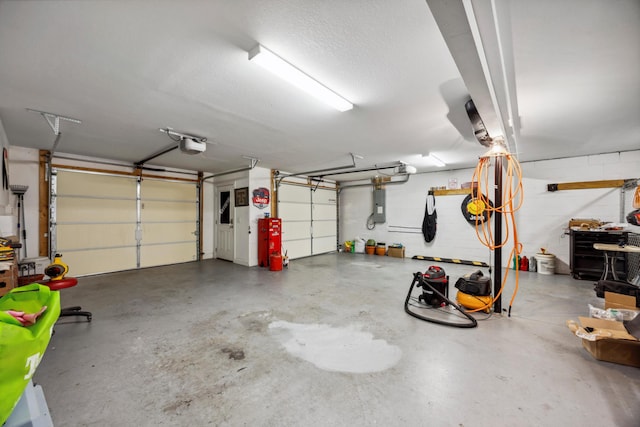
(418, 278)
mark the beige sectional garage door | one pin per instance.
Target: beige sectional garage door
(99, 226)
(169, 220)
(309, 218)
(324, 215)
(95, 221)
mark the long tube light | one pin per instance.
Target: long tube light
(291, 74)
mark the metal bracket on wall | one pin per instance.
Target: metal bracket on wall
(54, 119)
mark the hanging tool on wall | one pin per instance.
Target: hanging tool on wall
(430, 221)
(19, 191)
(5, 169)
(474, 208)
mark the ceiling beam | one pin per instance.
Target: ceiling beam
(478, 36)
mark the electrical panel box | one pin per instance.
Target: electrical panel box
(379, 206)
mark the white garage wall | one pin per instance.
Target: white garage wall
(541, 221)
(405, 205)
(259, 177)
(544, 215)
(5, 195)
(208, 220)
(23, 170)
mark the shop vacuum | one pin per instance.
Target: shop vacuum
(435, 295)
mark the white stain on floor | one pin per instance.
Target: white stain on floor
(335, 349)
(365, 264)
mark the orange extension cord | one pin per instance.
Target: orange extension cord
(512, 197)
(636, 198)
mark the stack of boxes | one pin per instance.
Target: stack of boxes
(8, 267)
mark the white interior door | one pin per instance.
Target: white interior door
(243, 229)
(224, 223)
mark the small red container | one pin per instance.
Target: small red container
(275, 262)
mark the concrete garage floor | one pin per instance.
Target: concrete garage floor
(213, 343)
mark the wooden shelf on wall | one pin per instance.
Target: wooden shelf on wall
(582, 185)
(462, 191)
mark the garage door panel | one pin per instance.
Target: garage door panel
(154, 255)
(161, 233)
(100, 261)
(324, 229)
(95, 210)
(297, 248)
(324, 244)
(295, 230)
(298, 206)
(168, 220)
(82, 236)
(322, 196)
(168, 211)
(294, 211)
(293, 193)
(322, 212)
(87, 184)
(168, 190)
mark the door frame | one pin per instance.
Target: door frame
(219, 188)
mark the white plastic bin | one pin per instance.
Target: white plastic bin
(546, 263)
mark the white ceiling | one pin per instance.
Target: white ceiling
(564, 73)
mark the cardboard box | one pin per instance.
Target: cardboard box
(396, 252)
(585, 223)
(8, 279)
(609, 340)
(613, 300)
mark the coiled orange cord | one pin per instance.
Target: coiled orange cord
(636, 198)
(512, 197)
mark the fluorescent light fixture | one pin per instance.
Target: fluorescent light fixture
(291, 74)
(436, 161)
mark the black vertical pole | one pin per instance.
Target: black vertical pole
(497, 253)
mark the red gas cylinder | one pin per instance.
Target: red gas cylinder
(524, 264)
(275, 262)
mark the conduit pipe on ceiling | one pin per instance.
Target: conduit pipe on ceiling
(313, 173)
(254, 162)
(369, 169)
(342, 187)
